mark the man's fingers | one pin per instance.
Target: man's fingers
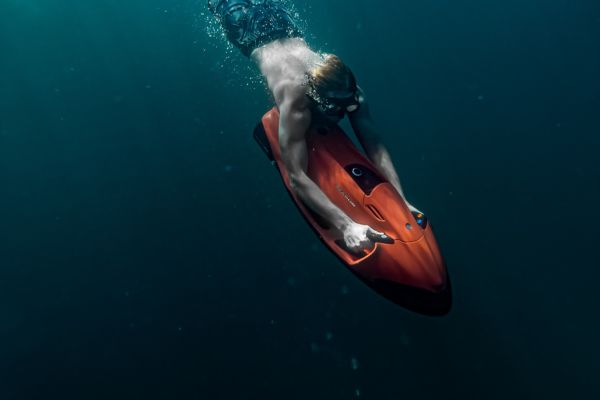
(379, 237)
(356, 250)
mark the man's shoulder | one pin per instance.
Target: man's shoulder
(290, 91)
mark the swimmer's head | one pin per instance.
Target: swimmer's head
(332, 87)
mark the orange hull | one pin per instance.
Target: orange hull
(410, 272)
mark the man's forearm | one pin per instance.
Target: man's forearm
(383, 161)
(376, 151)
(308, 191)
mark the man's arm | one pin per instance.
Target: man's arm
(366, 132)
(294, 121)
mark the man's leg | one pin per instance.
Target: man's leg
(250, 24)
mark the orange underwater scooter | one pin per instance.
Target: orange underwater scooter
(410, 270)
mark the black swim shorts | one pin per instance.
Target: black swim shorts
(250, 24)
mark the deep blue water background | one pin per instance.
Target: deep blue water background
(149, 251)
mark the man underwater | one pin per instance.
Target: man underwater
(307, 87)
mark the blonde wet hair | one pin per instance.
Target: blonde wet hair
(328, 75)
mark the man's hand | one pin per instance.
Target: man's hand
(359, 238)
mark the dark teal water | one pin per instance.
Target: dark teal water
(149, 251)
